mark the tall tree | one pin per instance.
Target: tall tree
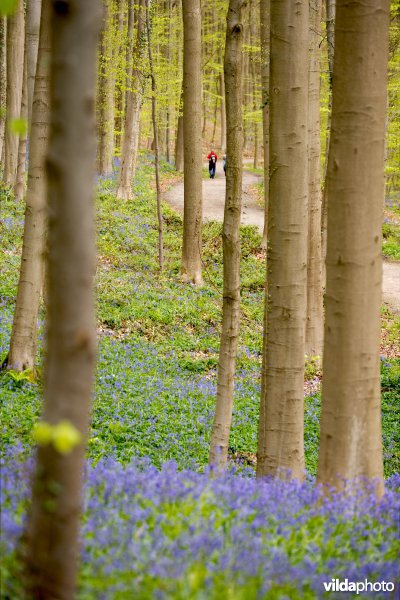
(52, 534)
(19, 186)
(351, 440)
(33, 10)
(24, 330)
(179, 137)
(134, 99)
(168, 55)
(107, 91)
(15, 71)
(230, 236)
(192, 93)
(3, 82)
(223, 112)
(156, 145)
(330, 10)
(281, 443)
(314, 322)
(264, 43)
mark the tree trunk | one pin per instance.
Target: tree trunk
(53, 523)
(129, 46)
(33, 9)
(24, 331)
(19, 187)
(120, 75)
(106, 92)
(134, 98)
(156, 147)
(15, 71)
(254, 41)
(281, 443)
(168, 58)
(3, 84)
(216, 103)
(246, 72)
(179, 137)
(330, 34)
(314, 322)
(264, 41)
(230, 237)
(204, 104)
(223, 114)
(192, 213)
(351, 442)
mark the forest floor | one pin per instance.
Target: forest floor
(253, 214)
(153, 522)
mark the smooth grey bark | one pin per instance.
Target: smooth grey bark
(3, 84)
(15, 71)
(192, 213)
(168, 58)
(179, 137)
(120, 76)
(156, 145)
(23, 341)
(33, 9)
(20, 186)
(281, 428)
(330, 9)
(264, 42)
(230, 237)
(134, 99)
(351, 435)
(223, 112)
(315, 313)
(106, 93)
(51, 536)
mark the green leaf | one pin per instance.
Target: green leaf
(18, 126)
(7, 7)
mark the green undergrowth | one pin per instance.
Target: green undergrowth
(133, 296)
(391, 240)
(159, 340)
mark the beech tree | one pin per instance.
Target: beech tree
(314, 322)
(156, 146)
(51, 536)
(330, 10)
(3, 83)
(281, 428)
(230, 237)
(179, 137)
(24, 330)
(33, 10)
(351, 441)
(134, 99)
(107, 91)
(265, 48)
(15, 71)
(192, 215)
(19, 185)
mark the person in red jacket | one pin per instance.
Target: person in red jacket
(212, 163)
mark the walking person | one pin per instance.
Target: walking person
(212, 163)
(224, 163)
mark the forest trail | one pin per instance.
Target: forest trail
(214, 198)
(253, 214)
(391, 285)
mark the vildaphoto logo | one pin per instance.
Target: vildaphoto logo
(359, 587)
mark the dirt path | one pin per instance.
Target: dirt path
(391, 285)
(252, 214)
